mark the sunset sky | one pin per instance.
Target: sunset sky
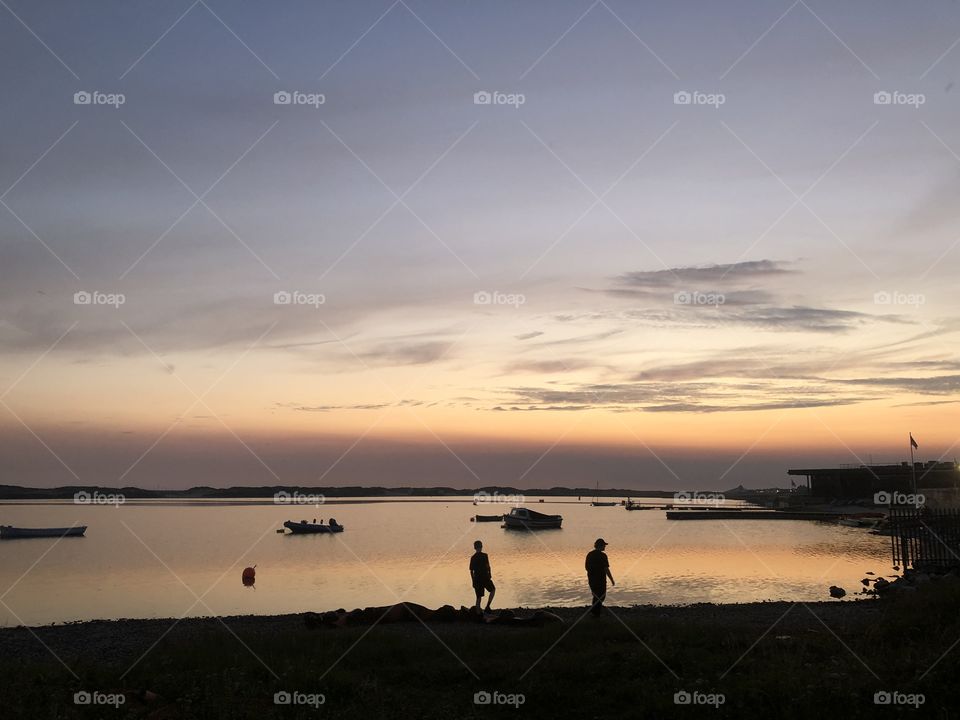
(585, 280)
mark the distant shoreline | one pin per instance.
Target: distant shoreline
(329, 494)
(265, 501)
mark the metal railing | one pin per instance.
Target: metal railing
(925, 536)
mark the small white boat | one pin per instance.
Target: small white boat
(8, 532)
(523, 519)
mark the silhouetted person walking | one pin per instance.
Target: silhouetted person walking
(598, 570)
(480, 575)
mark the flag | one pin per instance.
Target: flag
(913, 443)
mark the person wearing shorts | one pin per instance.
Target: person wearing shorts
(481, 576)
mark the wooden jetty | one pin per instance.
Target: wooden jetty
(750, 515)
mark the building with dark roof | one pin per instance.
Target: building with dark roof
(860, 481)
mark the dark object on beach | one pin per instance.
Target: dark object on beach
(523, 519)
(487, 518)
(837, 592)
(249, 576)
(8, 532)
(411, 612)
(507, 617)
(305, 528)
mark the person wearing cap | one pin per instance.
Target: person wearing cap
(598, 570)
(480, 575)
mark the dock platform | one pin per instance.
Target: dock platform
(750, 515)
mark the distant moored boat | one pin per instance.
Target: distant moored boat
(487, 518)
(8, 532)
(523, 519)
(596, 502)
(306, 528)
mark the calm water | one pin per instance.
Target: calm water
(153, 560)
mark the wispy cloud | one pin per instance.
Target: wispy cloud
(406, 353)
(704, 275)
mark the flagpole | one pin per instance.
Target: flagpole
(913, 466)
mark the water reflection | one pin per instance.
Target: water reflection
(136, 559)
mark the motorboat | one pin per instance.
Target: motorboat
(487, 518)
(8, 532)
(308, 528)
(524, 519)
